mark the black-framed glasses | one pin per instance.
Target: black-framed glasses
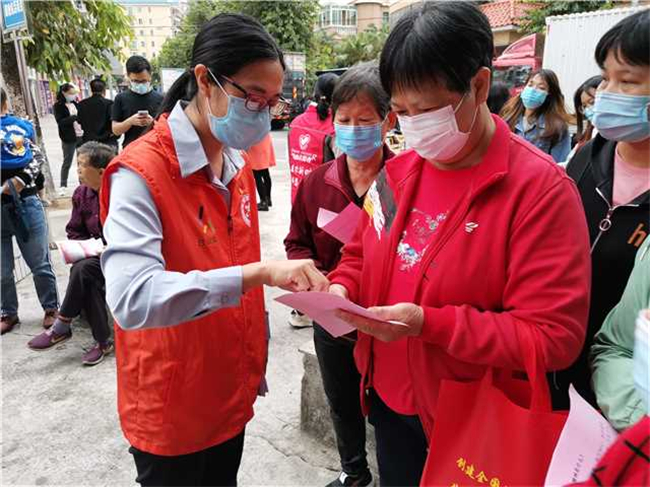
(257, 103)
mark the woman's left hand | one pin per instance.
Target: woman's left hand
(411, 315)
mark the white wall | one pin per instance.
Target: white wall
(570, 44)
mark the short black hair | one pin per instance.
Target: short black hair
(441, 42)
(99, 155)
(629, 41)
(97, 86)
(362, 78)
(498, 96)
(137, 64)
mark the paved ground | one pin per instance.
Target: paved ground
(59, 420)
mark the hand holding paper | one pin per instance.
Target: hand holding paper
(382, 320)
(323, 308)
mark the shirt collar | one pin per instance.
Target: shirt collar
(190, 153)
(538, 123)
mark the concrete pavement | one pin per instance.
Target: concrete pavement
(59, 418)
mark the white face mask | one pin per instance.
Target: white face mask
(434, 135)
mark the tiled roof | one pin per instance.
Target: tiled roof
(502, 13)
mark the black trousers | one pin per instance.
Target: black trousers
(401, 445)
(87, 291)
(263, 183)
(215, 466)
(68, 154)
(341, 382)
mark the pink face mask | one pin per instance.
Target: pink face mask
(434, 135)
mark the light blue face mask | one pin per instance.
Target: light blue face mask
(589, 113)
(140, 88)
(240, 128)
(641, 363)
(532, 97)
(620, 117)
(360, 142)
(70, 98)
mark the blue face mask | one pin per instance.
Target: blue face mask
(532, 97)
(70, 98)
(620, 117)
(589, 113)
(640, 359)
(240, 128)
(359, 142)
(141, 88)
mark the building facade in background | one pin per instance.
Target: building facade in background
(153, 22)
(343, 19)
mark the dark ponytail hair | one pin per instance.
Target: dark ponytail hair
(323, 90)
(225, 44)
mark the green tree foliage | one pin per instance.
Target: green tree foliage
(289, 22)
(321, 55)
(66, 39)
(535, 19)
(364, 46)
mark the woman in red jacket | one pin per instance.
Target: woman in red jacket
(469, 237)
(362, 118)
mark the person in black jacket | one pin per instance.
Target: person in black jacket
(95, 115)
(612, 173)
(65, 113)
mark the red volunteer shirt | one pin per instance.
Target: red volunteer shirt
(438, 191)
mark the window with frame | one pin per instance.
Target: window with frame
(338, 16)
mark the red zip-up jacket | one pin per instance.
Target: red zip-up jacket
(327, 187)
(512, 253)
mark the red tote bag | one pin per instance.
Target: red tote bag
(496, 432)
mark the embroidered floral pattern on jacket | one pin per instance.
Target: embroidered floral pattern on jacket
(416, 238)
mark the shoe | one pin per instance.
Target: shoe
(97, 354)
(63, 192)
(48, 319)
(348, 480)
(8, 323)
(48, 339)
(299, 320)
(268, 202)
(262, 206)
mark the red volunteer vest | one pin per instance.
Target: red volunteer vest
(192, 386)
(306, 145)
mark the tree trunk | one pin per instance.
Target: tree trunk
(11, 79)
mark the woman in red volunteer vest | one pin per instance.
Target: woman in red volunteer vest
(183, 277)
(471, 239)
(308, 134)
